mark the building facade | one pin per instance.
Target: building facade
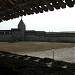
(21, 34)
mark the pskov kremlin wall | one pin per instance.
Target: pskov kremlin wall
(50, 37)
(21, 34)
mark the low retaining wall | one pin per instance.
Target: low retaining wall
(28, 65)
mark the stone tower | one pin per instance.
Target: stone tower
(21, 25)
(22, 29)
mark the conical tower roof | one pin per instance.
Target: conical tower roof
(21, 22)
(21, 25)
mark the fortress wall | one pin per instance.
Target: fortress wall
(5, 38)
(66, 39)
(50, 38)
(62, 39)
(34, 38)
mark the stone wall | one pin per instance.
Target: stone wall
(55, 38)
(34, 38)
(42, 37)
(13, 64)
(5, 38)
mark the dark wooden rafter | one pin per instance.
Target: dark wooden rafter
(10, 9)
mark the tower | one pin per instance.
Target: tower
(22, 28)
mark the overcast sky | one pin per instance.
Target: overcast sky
(54, 21)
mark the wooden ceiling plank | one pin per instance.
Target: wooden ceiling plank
(11, 2)
(12, 7)
(48, 5)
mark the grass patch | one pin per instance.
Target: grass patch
(32, 46)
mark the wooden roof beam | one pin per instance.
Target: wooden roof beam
(49, 6)
(62, 4)
(11, 2)
(55, 4)
(69, 3)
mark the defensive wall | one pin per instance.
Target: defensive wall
(42, 37)
(21, 34)
(51, 37)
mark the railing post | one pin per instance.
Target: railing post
(53, 52)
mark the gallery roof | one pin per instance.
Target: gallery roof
(10, 9)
